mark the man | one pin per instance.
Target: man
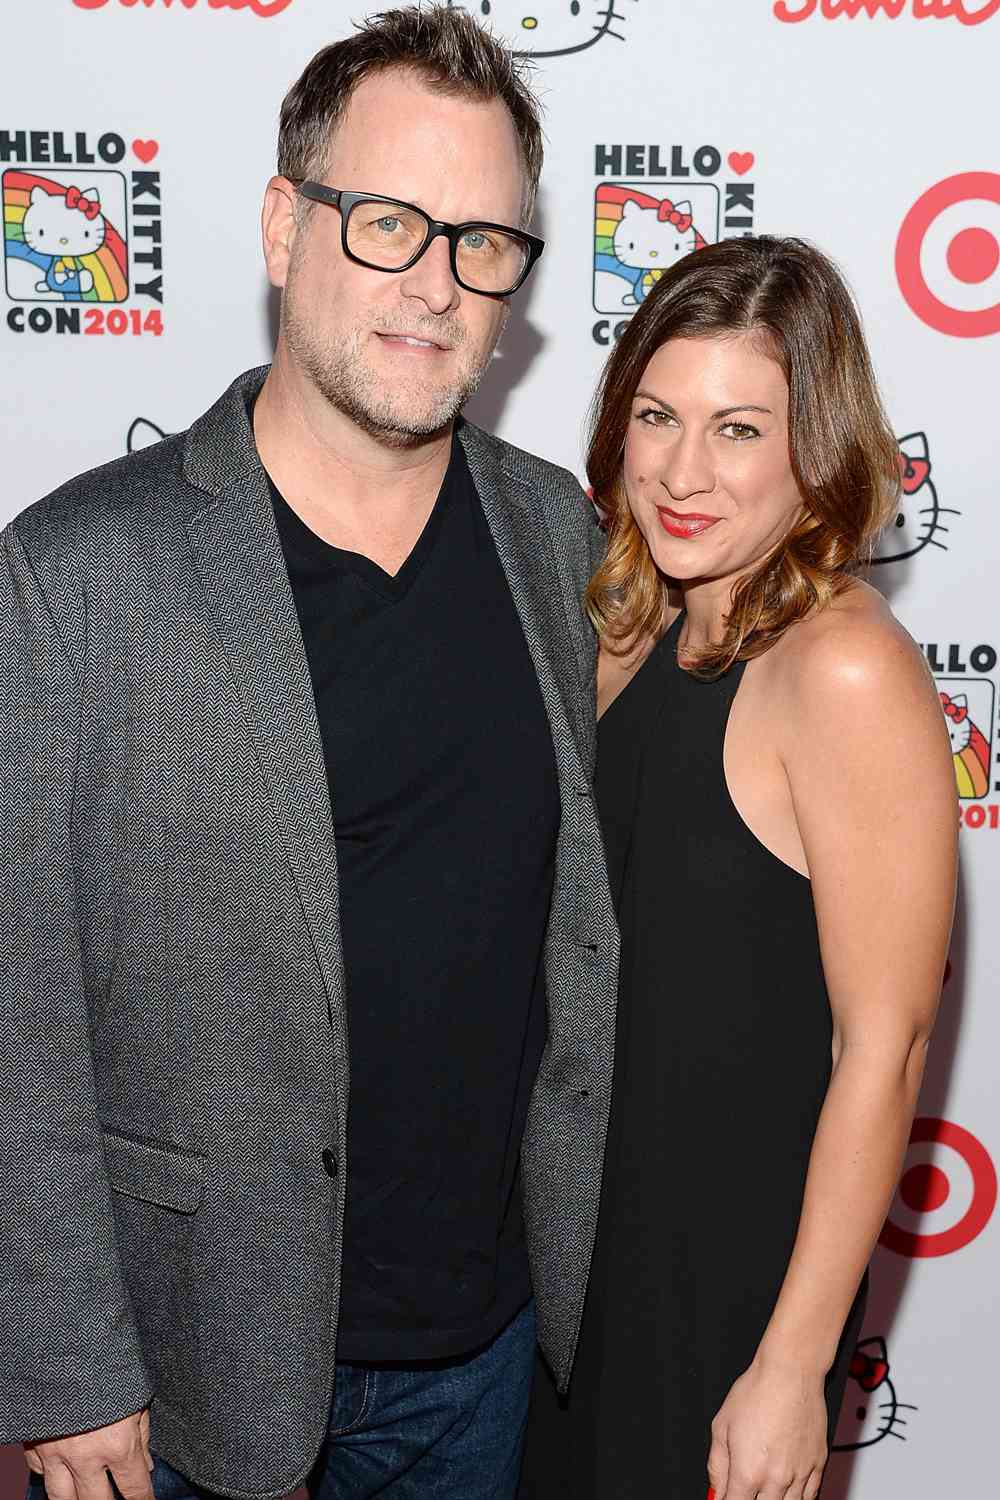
(296, 788)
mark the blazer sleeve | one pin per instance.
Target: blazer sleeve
(69, 1351)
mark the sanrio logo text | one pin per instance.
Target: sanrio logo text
(263, 8)
(967, 12)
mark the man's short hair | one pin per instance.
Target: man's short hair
(450, 51)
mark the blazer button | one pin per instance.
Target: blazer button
(329, 1163)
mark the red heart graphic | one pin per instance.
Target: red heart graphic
(741, 161)
(145, 150)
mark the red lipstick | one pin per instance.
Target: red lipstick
(685, 526)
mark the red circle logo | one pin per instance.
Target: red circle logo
(948, 255)
(961, 1170)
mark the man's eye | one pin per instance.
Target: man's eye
(474, 239)
(388, 224)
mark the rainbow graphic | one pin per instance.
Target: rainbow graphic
(108, 266)
(972, 765)
(609, 202)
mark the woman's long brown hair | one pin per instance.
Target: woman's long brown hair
(843, 454)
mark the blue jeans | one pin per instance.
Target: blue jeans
(452, 1428)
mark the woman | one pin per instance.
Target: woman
(778, 801)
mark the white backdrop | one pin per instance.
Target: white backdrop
(868, 126)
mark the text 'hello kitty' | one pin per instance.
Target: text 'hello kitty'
(666, 202)
(81, 240)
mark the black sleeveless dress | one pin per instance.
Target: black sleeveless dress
(722, 1064)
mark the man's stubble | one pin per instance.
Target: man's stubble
(337, 365)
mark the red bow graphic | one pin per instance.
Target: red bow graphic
(912, 472)
(956, 711)
(88, 206)
(668, 214)
(868, 1372)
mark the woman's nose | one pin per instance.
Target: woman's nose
(688, 469)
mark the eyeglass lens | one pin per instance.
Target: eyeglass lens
(387, 235)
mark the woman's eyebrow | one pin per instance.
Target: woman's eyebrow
(730, 411)
(726, 411)
(648, 396)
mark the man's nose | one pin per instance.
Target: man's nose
(431, 280)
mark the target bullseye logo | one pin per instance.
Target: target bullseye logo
(947, 1193)
(948, 255)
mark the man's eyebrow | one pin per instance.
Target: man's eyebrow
(727, 411)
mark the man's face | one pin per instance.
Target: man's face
(347, 326)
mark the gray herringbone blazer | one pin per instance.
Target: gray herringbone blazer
(174, 1047)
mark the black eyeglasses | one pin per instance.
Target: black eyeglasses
(387, 235)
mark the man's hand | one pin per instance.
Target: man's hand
(78, 1467)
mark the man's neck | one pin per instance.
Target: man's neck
(353, 490)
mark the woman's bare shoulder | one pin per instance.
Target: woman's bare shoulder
(851, 658)
(854, 637)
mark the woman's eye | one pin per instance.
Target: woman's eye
(653, 416)
(740, 431)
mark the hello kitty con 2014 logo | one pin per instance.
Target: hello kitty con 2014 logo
(83, 234)
(654, 205)
(552, 28)
(967, 691)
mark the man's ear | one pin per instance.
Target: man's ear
(278, 228)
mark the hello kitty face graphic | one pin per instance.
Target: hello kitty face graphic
(64, 225)
(918, 521)
(550, 28)
(655, 238)
(59, 228)
(637, 237)
(871, 1410)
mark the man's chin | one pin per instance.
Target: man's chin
(407, 427)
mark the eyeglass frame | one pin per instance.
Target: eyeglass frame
(342, 199)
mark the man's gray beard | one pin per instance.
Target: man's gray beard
(342, 377)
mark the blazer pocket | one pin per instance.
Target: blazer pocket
(157, 1174)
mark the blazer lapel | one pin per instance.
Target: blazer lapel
(239, 559)
(524, 548)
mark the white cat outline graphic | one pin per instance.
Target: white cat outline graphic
(870, 1403)
(550, 28)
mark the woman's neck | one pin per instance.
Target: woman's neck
(705, 602)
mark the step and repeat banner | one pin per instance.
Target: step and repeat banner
(136, 137)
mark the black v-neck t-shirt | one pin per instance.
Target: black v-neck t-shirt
(446, 811)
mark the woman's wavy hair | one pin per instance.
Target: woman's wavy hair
(844, 456)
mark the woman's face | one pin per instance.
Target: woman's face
(707, 470)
